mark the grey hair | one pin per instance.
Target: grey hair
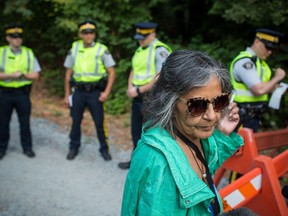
(182, 71)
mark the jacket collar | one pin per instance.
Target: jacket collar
(192, 189)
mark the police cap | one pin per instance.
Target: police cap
(143, 29)
(87, 27)
(14, 30)
(269, 37)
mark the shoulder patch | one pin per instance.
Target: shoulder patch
(107, 52)
(163, 54)
(248, 65)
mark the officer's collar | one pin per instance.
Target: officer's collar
(150, 44)
(248, 49)
(91, 45)
(255, 57)
(16, 52)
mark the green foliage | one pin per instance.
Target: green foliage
(55, 80)
(118, 102)
(221, 28)
(18, 6)
(273, 119)
(253, 12)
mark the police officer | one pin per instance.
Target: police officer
(18, 69)
(146, 64)
(251, 77)
(91, 67)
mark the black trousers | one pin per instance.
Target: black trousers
(136, 120)
(253, 123)
(20, 101)
(251, 114)
(80, 101)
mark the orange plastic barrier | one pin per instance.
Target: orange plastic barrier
(271, 139)
(242, 190)
(258, 188)
(270, 200)
(242, 161)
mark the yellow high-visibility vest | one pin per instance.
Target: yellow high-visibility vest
(143, 63)
(11, 63)
(88, 65)
(242, 92)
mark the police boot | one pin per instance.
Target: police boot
(2, 154)
(29, 153)
(124, 165)
(72, 154)
(106, 156)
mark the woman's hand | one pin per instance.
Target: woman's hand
(229, 119)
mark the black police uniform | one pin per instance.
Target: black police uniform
(143, 29)
(245, 67)
(86, 94)
(16, 97)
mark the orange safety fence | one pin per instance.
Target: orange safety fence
(258, 188)
(242, 190)
(242, 161)
(270, 200)
(271, 139)
(281, 163)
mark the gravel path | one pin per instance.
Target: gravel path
(50, 185)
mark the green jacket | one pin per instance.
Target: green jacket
(161, 181)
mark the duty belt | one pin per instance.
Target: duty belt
(252, 110)
(25, 89)
(87, 87)
(90, 86)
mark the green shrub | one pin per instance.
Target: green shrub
(54, 80)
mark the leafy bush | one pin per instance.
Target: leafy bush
(209, 26)
(118, 102)
(54, 79)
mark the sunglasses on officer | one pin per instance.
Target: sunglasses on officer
(268, 48)
(198, 106)
(16, 36)
(87, 33)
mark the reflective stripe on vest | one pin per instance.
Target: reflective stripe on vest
(11, 63)
(145, 71)
(242, 92)
(88, 65)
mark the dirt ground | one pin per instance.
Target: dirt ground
(45, 105)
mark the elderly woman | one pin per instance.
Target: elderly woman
(188, 134)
